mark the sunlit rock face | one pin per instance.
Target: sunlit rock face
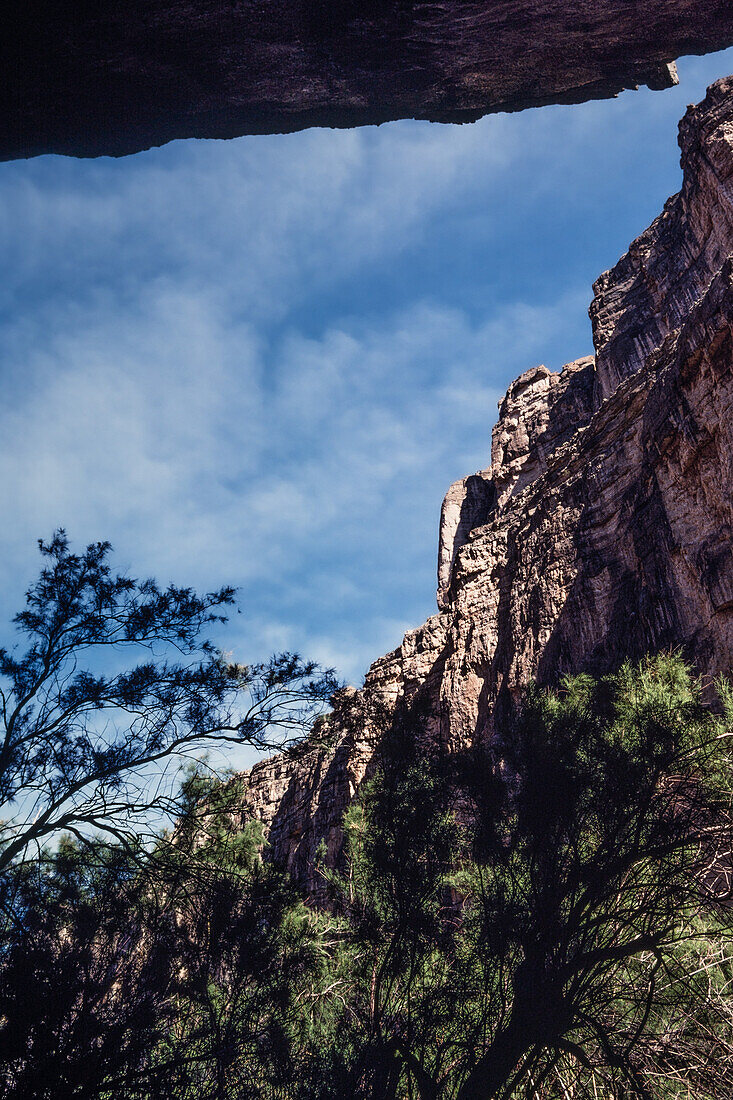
(604, 525)
(113, 78)
(652, 289)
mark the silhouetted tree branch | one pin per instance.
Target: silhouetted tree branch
(84, 745)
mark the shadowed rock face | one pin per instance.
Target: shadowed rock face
(603, 528)
(93, 77)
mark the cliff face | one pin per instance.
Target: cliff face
(111, 78)
(604, 526)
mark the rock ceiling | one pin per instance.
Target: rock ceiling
(96, 77)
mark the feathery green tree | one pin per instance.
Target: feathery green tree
(549, 929)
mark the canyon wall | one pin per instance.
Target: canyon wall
(603, 527)
(110, 77)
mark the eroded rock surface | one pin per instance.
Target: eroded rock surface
(604, 526)
(112, 77)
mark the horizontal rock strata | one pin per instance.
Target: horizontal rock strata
(604, 525)
(111, 77)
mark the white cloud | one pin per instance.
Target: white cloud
(309, 471)
(185, 374)
(258, 222)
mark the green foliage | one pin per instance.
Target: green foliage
(550, 922)
(579, 878)
(192, 970)
(77, 994)
(397, 894)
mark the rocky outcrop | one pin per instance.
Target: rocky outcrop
(111, 78)
(604, 526)
(467, 504)
(651, 290)
(540, 411)
(301, 796)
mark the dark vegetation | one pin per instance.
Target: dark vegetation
(87, 738)
(550, 924)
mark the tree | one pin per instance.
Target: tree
(249, 961)
(186, 972)
(573, 938)
(84, 744)
(613, 835)
(401, 847)
(105, 988)
(82, 994)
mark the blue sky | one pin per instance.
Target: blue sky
(263, 361)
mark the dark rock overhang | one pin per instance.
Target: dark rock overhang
(111, 77)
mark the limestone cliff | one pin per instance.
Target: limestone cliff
(112, 77)
(604, 525)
